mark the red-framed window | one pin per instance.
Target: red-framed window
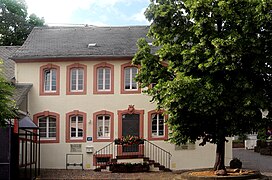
(76, 79)
(103, 78)
(49, 79)
(48, 123)
(157, 129)
(76, 126)
(103, 126)
(128, 82)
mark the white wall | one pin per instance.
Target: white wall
(53, 155)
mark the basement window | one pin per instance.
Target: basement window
(92, 45)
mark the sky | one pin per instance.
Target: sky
(91, 12)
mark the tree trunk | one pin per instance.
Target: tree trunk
(220, 156)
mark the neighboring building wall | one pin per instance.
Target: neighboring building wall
(53, 154)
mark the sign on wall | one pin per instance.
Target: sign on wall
(75, 148)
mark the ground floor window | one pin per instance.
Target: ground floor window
(157, 129)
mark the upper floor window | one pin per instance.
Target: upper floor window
(48, 123)
(75, 126)
(49, 79)
(157, 129)
(103, 78)
(76, 79)
(103, 126)
(128, 82)
(130, 74)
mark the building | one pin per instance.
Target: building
(84, 96)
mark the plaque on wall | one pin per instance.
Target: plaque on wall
(75, 148)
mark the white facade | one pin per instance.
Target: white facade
(53, 155)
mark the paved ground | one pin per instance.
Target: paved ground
(253, 160)
(249, 159)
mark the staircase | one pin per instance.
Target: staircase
(157, 158)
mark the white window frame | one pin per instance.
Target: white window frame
(104, 79)
(157, 125)
(130, 79)
(70, 121)
(47, 128)
(50, 79)
(103, 127)
(77, 79)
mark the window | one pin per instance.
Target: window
(75, 126)
(130, 74)
(103, 126)
(157, 129)
(101, 159)
(47, 127)
(103, 78)
(48, 123)
(76, 79)
(157, 125)
(128, 83)
(49, 79)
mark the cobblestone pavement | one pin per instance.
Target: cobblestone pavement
(252, 160)
(90, 174)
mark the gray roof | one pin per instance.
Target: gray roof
(21, 91)
(58, 42)
(27, 123)
(8, 66)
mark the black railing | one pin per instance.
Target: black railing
(157, 154)
(111, 152)
(104, 156)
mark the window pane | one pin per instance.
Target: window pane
(127, 78)
(54, 80)
(100, 78)
(47, 80)
(80, 79)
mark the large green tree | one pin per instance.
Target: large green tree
(218, 77)
(15, 23)
(8, 108)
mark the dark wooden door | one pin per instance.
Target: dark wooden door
(131, 126)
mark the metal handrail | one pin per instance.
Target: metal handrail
(150, 150)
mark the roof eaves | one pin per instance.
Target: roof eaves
(30, 58)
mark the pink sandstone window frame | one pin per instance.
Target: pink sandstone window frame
(42, 80)
(123, 112)
(95, 80)
(103, 113)
(123, 90)
(68, 79)
(150, 137)
(68, 116)
(47, 114)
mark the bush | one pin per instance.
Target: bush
(235, 163)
